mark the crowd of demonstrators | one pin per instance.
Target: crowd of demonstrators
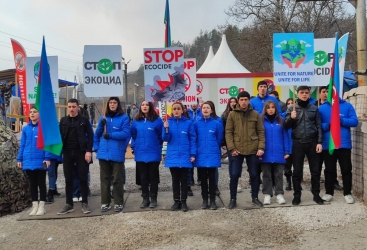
(180, 136)
(146, 133)
(34, 162)
(257, 130)
(110, 141)
(209, 132)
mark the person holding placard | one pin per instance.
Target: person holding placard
(304, 119)
(179, 133)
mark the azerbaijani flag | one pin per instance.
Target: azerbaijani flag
(333, 98)
(167, 23)
(49, 138)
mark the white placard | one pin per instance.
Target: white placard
(33, 64)
(164, 74)
(102, 70)
(323, 60)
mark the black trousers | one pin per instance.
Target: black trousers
(205, 175)
(37, 180)
(299, 151)
(343, 156)
(149, 175)
(75, 159)
(288, 166)
(179, 183)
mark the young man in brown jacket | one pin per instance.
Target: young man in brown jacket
(245, 140)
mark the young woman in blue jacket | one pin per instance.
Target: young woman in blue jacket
(209, 138)
(180, 136)
(146, 133)
(34, 162)
(110, 141)
(275, 154)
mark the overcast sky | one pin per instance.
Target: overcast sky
(68, 25)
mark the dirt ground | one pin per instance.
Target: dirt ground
(334, 226)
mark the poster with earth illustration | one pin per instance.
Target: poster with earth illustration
(293, 55)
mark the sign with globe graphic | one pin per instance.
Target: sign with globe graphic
(293, 55)
(33, 64)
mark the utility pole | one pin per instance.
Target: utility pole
(125, 80)
(360, 6)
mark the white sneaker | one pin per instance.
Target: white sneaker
(267, 200)
(280, 199)
(80, 199)
(349, 199)
(239, 188)
(41, 208)
(75, 199)
(327, 197)
(34, 208)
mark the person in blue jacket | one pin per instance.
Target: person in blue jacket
(209, 136)
(194, 112)
(348, 119)
(288, 161)
(34, 162)
(219, 119)
(258, 102)
(180, 136)
(110, 142)
(276, 153)
(146, 133)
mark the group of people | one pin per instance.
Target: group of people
(270, 135)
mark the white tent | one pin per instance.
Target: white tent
(223, 61)
(207, 60)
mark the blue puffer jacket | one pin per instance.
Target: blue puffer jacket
(181, 138)
(276, 142)
(209, 139)
(29, 155)
(147, 140)
(348, 119)
(257, 103)
(114, 148)
(194, 115)
(56, 157)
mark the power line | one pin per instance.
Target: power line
(38, 53)
(39, 43)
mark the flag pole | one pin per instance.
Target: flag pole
(318, 96)
(165, 104)
(294, 98)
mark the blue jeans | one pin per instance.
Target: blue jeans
(235, 171)
(52, 174)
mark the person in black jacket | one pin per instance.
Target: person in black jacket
(77, 138)
(307, 140)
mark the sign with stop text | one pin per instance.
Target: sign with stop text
(226, 90)
(33, 70)
(164, 75)
(293, 56)
(102, 70)
(323, 60)
(190, 81)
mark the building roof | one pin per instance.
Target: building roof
(224, 61)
